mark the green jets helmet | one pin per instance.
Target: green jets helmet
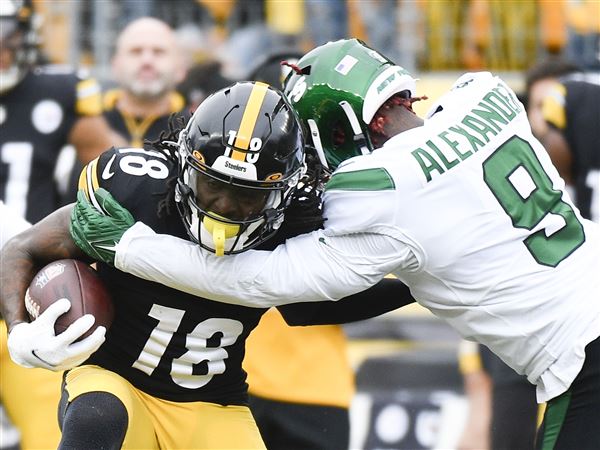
(337, 88)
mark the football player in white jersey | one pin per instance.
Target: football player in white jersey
(464, 207)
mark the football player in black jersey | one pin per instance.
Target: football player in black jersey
(169, 373)
(564, 111)
(42, 109)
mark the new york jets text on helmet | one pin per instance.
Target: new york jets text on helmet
(337, 90)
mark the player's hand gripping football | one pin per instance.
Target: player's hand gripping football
(35, 344)
(95, 233)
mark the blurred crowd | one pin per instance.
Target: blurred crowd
(424, 35)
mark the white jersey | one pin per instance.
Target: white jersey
(467, 210)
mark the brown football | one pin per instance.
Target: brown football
(76, 281)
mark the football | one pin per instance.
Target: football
(76, 281)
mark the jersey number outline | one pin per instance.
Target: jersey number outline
(527, 211)
(226, 332)
(143, 162)
(18, 157)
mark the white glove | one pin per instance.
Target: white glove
(34, 344)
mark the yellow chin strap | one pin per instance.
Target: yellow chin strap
(220, 231)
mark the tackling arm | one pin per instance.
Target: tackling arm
(311, 267)
(387, 295)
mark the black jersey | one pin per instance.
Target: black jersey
(167, 343)
(138, 129)
(574, 108)
(36, 117)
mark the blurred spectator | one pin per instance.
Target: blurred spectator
(326, 21)
(478, 391)
(583, 18)
(380, 20)
(204, 70)
(563, 109)
(147, 66)
(300, 384)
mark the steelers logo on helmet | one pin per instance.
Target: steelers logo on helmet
(247, 139)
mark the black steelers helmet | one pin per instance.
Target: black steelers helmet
(246, 135)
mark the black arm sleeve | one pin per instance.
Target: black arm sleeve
(385, 296)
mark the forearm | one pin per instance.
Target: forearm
(12, 289)
(24, 255)
(387, 295)
(305, 269)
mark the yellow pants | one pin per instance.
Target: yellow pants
(155, 423)
(30, 397)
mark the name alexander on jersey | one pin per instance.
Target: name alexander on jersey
(497, 108)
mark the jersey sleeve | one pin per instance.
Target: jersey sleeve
(307, 268)
(131, 175)
(553, 106)
(387, 295)
(88, 98)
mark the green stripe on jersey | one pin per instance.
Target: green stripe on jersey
(554, 419)
(362, 180)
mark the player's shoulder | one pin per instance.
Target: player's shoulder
(128, 173)
(467, 91)
(361, 173)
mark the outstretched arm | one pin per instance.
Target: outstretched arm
(311, 267)
(387, 295)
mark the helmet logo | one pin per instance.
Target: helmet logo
(198, 156)
(346, 64)
(274, 176)
(298, 90)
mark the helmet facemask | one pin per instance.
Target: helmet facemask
(224, 236)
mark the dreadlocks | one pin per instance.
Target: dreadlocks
(167, 145)
(304, 212)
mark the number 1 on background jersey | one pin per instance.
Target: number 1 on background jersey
(18, 156)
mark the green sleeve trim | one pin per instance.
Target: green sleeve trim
(362, 180)
(556, 411)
